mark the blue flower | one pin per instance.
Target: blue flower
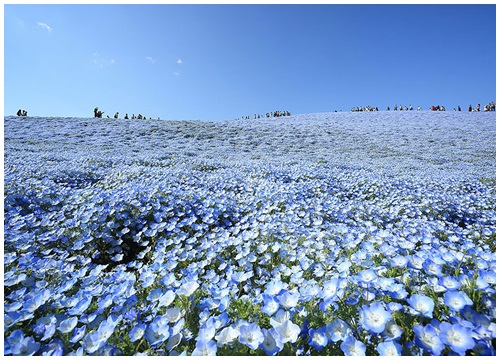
(352, 347)
(428, 339)
(450, 283)
(337, 330)
(137, 332)
(422, 304)
(205, 348)
(46, 326)
(457, 337)
(389, 348)
(251, 336)
(68, 325)
(431, 268)
(206, 332)
(374, 317)
(166, 299)
(318, 338)
(272, 343)
(81, 306)
(78, 334)
(188, 288)
(392, 331)
(288, 331)
(26, 347)
(227, 336)
(158, 331)
(399, 261)
(274, 287)
(330, 288)
(456, 300)
(366, 277)
(54, 348)
(288, 299)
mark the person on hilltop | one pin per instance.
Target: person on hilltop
(470, 108)
(116, 115)
(126, 117)
(478, 107)
(98, 113)
(19, 112)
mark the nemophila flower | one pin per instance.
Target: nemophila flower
(78, 334)
(457, 337)
(188, 288)
(241, 276)
(422, 304)
(206, 332)
(226, 336)
(394, 306)
(158, 331)
(352, 347)
(431, 268)
(330, 288)
(449, 282)
(26, 347)
(13, 338)
(274, 287)
(219, 321)
(392, 331)
(318, 338)
(54, 348)
(279, 318)
(38, 299)
(488, 276)
(389, 348)
(456, 300)
(288, 331)
(251, 335)
(374, 317)
(137, 332)
(337, 330)
(397, 291)
(415, 262)
(81, 306)
(166, 299)
(483, 348)
(45, 326)
(272, 343)
(173, 314)
(399, 261)
(428, 339)
(203, 348)
(288, 299)
(366, 277)
(155, 294)
(68, 325)
(309, 292)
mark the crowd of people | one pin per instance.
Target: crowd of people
(98, 114)
(364, 108)
(277, 113)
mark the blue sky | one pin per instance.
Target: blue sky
(225, 61)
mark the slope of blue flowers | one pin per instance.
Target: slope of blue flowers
(318, 234)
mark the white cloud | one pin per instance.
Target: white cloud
(179, 61)
(150, 59)
(100, 62)
(44, 26)
(177, 73)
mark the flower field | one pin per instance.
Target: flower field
(318, 234)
